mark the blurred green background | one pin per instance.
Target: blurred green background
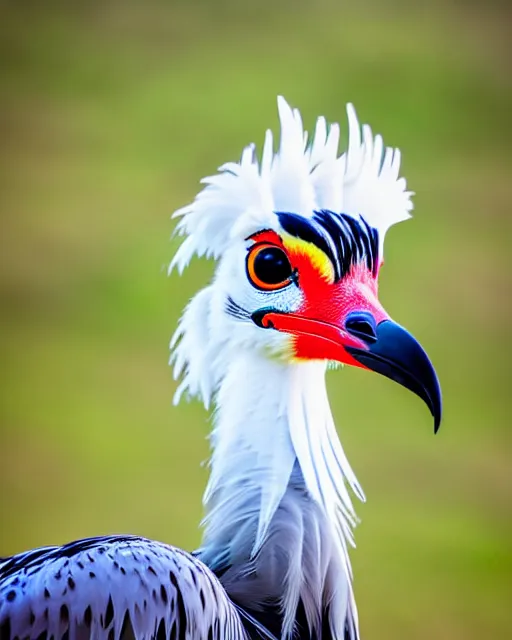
(110, 114)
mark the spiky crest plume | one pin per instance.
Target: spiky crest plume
(299, 178)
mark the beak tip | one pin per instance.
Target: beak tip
(437, 413)
(436, 403)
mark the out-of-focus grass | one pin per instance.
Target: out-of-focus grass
(110, 114)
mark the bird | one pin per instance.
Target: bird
(297, 237)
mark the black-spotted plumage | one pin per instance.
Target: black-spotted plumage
(113, 588)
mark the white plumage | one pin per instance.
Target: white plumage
(242, 197)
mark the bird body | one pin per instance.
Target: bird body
(298, 238)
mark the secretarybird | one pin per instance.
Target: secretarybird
(298, 238)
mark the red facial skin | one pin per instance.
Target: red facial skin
(318, 326)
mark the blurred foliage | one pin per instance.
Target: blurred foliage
(110, 114)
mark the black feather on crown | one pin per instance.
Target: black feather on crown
(344, 239)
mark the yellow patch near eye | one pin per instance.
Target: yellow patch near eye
(317, 258)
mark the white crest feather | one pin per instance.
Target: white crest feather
(242, 197)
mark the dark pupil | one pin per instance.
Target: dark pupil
(271, 266)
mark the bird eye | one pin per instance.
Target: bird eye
(268, 267)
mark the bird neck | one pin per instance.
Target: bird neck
(277, 504)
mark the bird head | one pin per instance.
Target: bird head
(299, 240)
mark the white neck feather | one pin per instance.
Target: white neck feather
(271, 416)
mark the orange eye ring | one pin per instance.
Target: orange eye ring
(268, 267)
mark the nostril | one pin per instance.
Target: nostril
(361, 324)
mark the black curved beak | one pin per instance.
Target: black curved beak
(395, 353)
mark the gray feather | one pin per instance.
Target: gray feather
(299, 540)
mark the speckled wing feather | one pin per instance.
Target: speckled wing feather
(114, 588)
